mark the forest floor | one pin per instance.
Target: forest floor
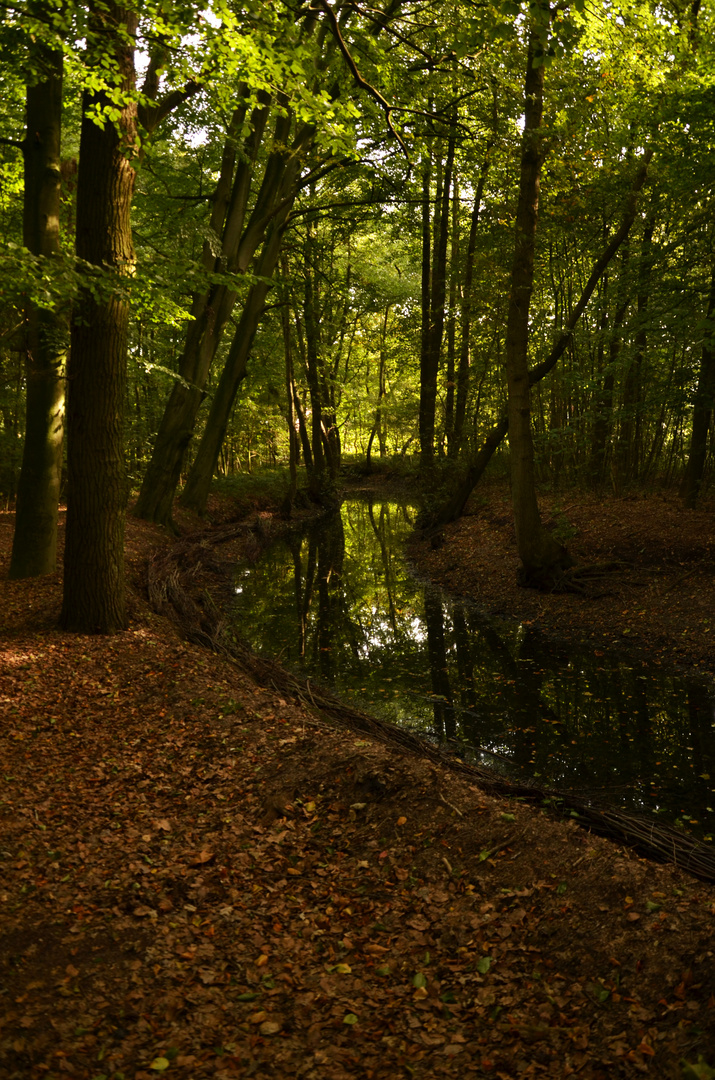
(201, 878)
(657, 603)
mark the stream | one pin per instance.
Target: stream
(340, 605)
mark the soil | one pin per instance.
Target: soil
(203, 878)
(652, 591)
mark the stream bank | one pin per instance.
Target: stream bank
(658, 607)
(189, 879)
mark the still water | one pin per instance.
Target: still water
(340, 606)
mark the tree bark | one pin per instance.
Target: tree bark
(93, 599)
(452, 321)
(432, 340)
(293, 442)
(629, 437)
(453, 507)
(211, 310)
(381, 389)
(702, 410)
(34, 549)
(198, 484)
(542, 557)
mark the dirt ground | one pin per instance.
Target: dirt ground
(658, 604)
(200, 878)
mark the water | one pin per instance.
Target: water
(340, 606)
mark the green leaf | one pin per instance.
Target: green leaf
(650, 905)
(350, 1018)
(507, 817)
(698, 1071)
(561, 888)
(419, 980)
(247, 997)
(483, 964)
(384, 970)
(160, 1064)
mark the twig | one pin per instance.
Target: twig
(451, 805)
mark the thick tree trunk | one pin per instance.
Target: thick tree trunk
(541, 556)
(34, 549)
(702, 411)
(94, 547)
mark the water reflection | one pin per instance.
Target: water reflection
(340, 605)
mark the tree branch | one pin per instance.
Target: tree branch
(150, 116)
(362, 83)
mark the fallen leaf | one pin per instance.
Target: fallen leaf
(270, 1027)
(202, 858)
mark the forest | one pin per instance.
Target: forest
(323, 234)
(308, 310)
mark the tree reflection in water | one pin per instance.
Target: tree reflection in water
(340, 605)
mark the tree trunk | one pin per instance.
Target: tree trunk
(293, 443)
(211, 313)
(426, 290)
(454, 506)
(381, 386)
(452, 321)
(702, 411)
(630, 434)
(602, 399)
(432, 342)
(94, 547)
(34, 548)
(317, 482)
(542, 558)
(462, 390)
(195, 494)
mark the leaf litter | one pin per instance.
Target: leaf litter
(187, 888)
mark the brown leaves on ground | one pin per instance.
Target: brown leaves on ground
(201, 880)
(654, 599)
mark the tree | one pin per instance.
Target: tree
(93, 597)
(34, 549)
(542, 556)
(702, 409)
